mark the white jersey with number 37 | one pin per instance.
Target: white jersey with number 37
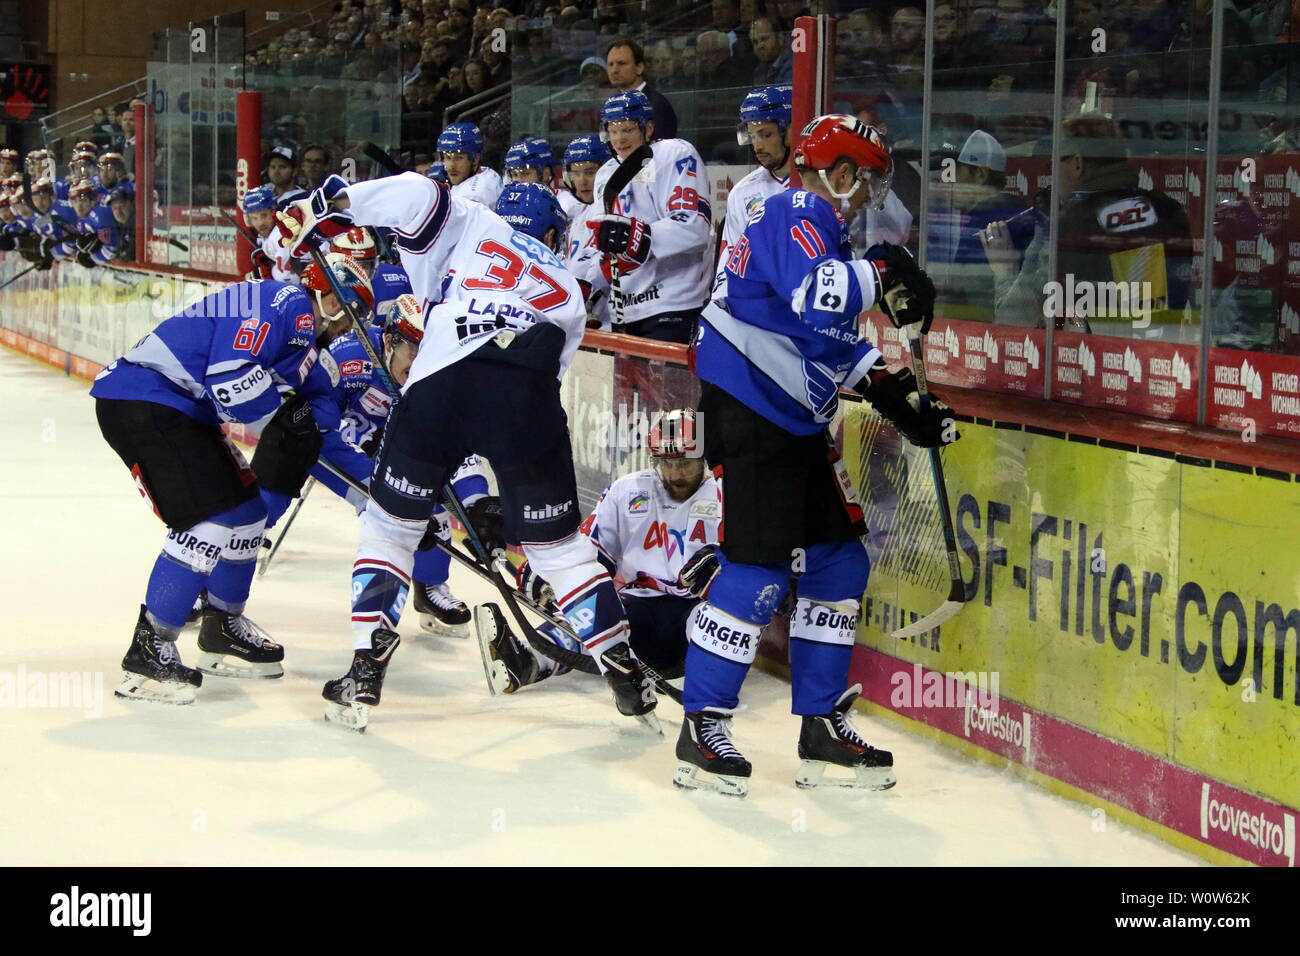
(475, 276)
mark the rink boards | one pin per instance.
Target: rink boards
(1133, 630)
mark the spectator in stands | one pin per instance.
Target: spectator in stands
(101, 130)
(625, 65)
(772, 51)
(715, 64)
(125, 142)
(787, 11)
(726, 19)
(861, 50)
(907, 40)
(476, 77)
(494, 53)
(315, 165)
(281, 171)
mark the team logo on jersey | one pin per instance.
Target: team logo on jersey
(375, 402)
(305, 323)
(355, 367)
(706, 509)
(282, 295)
(753, 203)
(686, 166)
(638, 505)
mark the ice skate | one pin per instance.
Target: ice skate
(707, 759)
(508, 663)
(634, 693)
(441, 612)
(349, 698)
(830, 740)
(152, 668)
(230, 645)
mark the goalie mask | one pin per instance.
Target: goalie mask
(352, 283)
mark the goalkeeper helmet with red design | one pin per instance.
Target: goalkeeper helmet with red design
(835, 137)
(407, 319)
(673, 435)
(357, 243)
(351, 280)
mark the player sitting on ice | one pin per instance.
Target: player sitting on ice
(503, 320)
(231, 357)
(364, 405)
(772, 356)
(765, 127)
(96, 239)
(656, 242)
(647, 527)
(460, 147)
(269, 260)
(387, 279)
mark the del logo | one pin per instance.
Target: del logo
(638, 505)
(304, 323)
(355, 367)
(686, 165)
(1127, 215)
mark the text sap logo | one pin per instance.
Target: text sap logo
(1264, 249)
(1293, 182)
(951, 342)
(355, 367)
(999, 726)
(1086, 359)
(76, 909)
(1144, 179)
(547, 512)
(638, 505)
(991, 347)
(1127, 215)
(583, 616)
(305, 323)
(1262, 830)
(686, 166)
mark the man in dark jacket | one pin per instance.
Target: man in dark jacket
(625, 64)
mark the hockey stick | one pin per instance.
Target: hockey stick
(14, 279)
(626, 172)
(956, 599)
(302, 498)
(382, 159)
(248, 234)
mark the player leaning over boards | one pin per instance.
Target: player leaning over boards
(656, 238)
(503, 320)
(772, 355)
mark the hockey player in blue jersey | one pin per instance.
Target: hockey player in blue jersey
(388, 280)
(231, 357)
(51, 222)
(364, 405)
(772, 355)
(96, 240)
(112, 176)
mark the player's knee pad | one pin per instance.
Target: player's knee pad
(835, 573)
(559, 556)
(198, 547)
(384, 535)
(824, 622)
(749, 592)
(245, 542)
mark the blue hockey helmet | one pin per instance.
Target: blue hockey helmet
(262, 197)
(767, 104)
(438, 173)
(587, 149)
(533, 152)
(461, 138)
(532, 209)
(632, 105)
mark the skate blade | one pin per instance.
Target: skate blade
(650, 721)
(431, 625)
(227, 665)
(139, 687)
(498, 679)
(354, 716)
(812, 774)
(691, 777)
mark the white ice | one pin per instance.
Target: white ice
(446, 774)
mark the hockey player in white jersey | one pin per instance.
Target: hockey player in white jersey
(647, 527)
(583, 158)
(764, 126)
(656, 238)
(503, 320)
(270, 259)
(460, 147)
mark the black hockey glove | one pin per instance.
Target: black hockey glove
(699, 571)
(88, 243)
(488, 522)
(439, 530)
(8, 242)
(628, 240)
(29, 246)
(289, 446)
(45, 254)
(894, 395)
(906, 293)
(86, 260)
(534, 587)
(371, 445)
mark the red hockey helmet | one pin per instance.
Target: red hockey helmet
(357, 243)
(837, 136)
(42, 185)
(352, 281)
(83, 189)
(673, 435)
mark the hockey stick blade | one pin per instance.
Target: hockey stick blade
(944, 612)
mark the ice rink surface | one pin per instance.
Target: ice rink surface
(446, 774)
